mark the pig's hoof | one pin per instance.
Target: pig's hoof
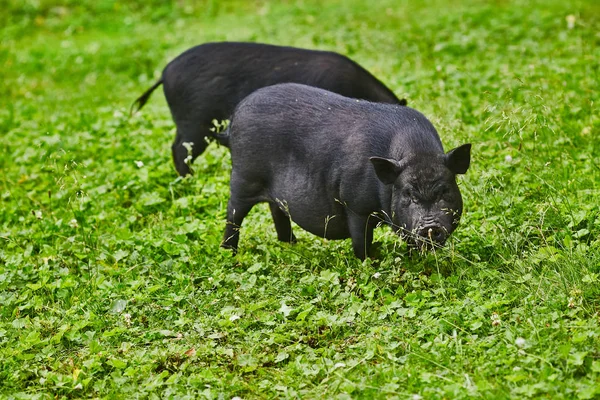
(228, 246)
(288, 239)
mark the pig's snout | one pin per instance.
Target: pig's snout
(431, 235)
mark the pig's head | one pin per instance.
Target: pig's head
(426, 204)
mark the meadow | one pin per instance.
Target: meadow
(112, 282)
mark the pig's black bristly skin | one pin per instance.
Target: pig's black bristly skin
(206, 82)
(338, 166)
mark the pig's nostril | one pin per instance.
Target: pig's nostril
(433, 233)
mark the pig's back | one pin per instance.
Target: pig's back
(311, 124)
(237, 69)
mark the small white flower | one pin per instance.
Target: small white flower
(139, 164)
(187, 160)
(496, 319)
(38, 214)
(520, 342)
(179, 336)
(79, 386)
(127, 318)
(234, 317)
(188, 146)
(339, 365)
(508, 159)
(73, 223)
(376, 275)
(570, 21)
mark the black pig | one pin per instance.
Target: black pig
(338, 166)
(206, 82)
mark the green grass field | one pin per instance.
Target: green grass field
(112, 282)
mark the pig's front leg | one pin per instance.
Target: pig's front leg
(361, 232)
(282, 224)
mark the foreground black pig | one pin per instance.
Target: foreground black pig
(338, 166)
(206, 82)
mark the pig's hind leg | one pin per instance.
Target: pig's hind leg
(244, 194)
(189, 134)
(283, 224)
(236, 212)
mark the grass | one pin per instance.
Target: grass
(112, 283)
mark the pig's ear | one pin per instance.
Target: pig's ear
(458, 160)
(387, 170)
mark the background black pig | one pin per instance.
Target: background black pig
(206, 82)
(337, 166)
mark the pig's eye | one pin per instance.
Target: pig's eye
(413, 197)
(444, 194)
(409, 194)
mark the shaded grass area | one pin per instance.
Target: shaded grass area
(111, 279)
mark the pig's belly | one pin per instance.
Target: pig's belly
(315, 214)
(328, 226)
